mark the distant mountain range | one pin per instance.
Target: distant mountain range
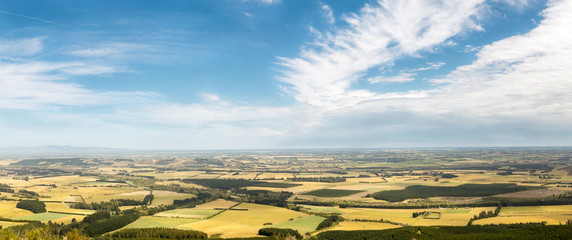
(55, 151)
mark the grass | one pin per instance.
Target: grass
(321, 209)
(332, 193)
(302, 225)
(49, 216)
(166, 222)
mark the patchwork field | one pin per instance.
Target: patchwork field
(237, 223)
(553, 215)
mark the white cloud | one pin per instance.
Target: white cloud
(109, 49)
(328, 13)
(209, 97)
(20, 47)
(40, 85)
(431, 66)
(401, 78)
(379, 34)
(264, 1)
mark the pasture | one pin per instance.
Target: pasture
(49, 216)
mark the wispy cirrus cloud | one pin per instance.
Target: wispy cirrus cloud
(36, 85)
(20, 47)
(328, 13)
(323, 73)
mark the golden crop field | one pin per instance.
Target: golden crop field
(553, 215)
(448, 217)
(238, 223)
(8, 210)
(63, 208)
(352, 226)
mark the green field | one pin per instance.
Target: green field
(151, 222)
(332, 193)
(302, 225)
(43, 217)
(321, 209)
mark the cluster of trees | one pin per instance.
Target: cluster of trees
(318, 179)
(27, 194)
(33, 205)
(229, 184)
(279, 233)
(448, 175)
(164, 233)
(97, 216)
(465, 190)
(111, 224)
(265, 197)
(6, 188)
(112, 205)
(329, 221)
(485, 214)
(417, 214)
(513, 231)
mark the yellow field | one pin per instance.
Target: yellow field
(61, 207)
(404, 216)
(551, 214)
(61, 180)
(235, 223)
(5, 224)
(219, 203)
(351, 226)
(8, 210)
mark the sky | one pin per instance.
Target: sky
(272, 74)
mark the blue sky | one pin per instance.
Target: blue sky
(235, 74)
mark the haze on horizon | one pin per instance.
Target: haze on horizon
(255, 74)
